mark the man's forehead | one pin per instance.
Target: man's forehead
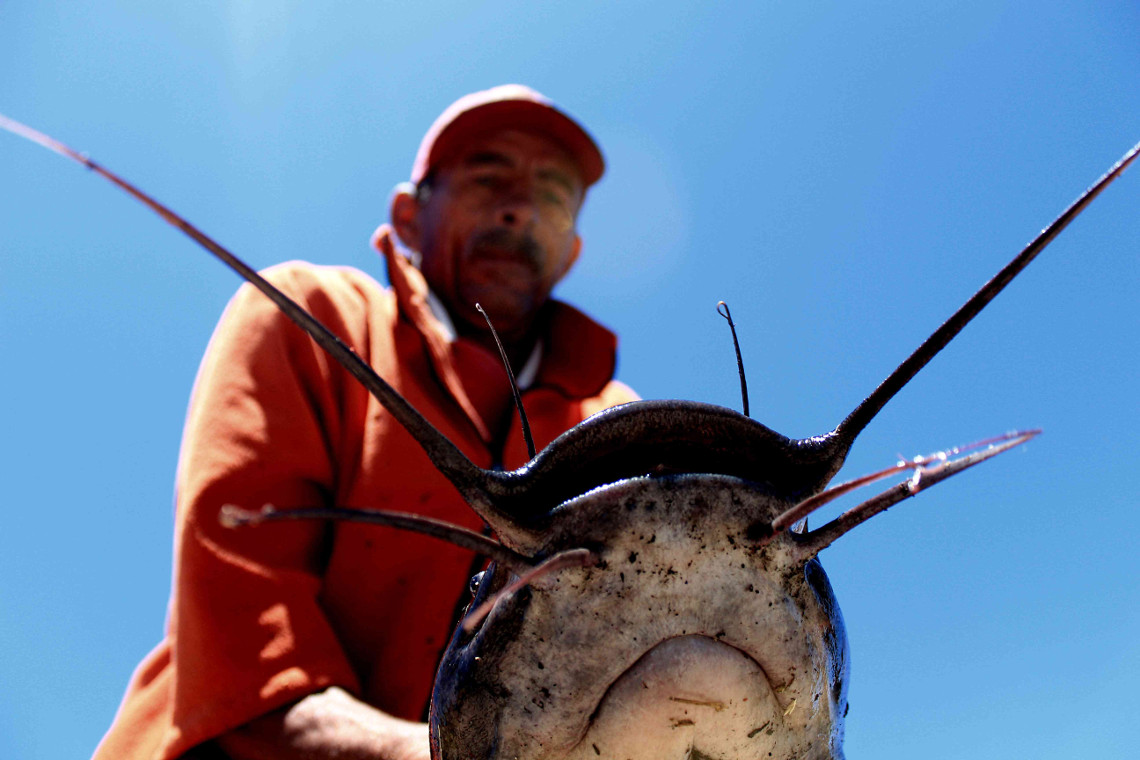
(514, 147)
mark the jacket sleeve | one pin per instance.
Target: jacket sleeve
(266, 416)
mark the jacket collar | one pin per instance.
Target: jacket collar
(524, 376)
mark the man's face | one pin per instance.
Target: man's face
(498, 228)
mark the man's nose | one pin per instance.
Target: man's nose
(518, 208)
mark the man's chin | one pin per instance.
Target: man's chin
(510, 313)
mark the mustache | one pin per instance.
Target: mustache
(522, 246)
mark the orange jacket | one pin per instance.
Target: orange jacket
(260, 617)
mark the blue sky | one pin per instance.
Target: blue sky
(844, 175)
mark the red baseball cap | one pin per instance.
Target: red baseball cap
(506, 106)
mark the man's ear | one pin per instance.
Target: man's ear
(404, 212)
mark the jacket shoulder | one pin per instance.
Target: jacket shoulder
(304, 279)
(339, 296)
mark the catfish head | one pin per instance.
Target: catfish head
(696, 623)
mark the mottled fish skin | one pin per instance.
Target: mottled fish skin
(680, 558)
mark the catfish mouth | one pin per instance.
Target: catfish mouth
(663, 437)
(688, 697)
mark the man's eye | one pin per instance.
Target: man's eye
(473, 584)
(553, 198)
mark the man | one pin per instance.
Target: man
(316, 640)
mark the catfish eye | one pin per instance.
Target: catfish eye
(473, 584)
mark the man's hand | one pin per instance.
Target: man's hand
(331, 724)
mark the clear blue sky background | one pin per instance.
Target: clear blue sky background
(843, 174)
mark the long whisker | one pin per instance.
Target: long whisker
(471, 481)
(724, 312)
(233, 517)
(812, 503)
(514, 385)
(866, 411)
(924, 476)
